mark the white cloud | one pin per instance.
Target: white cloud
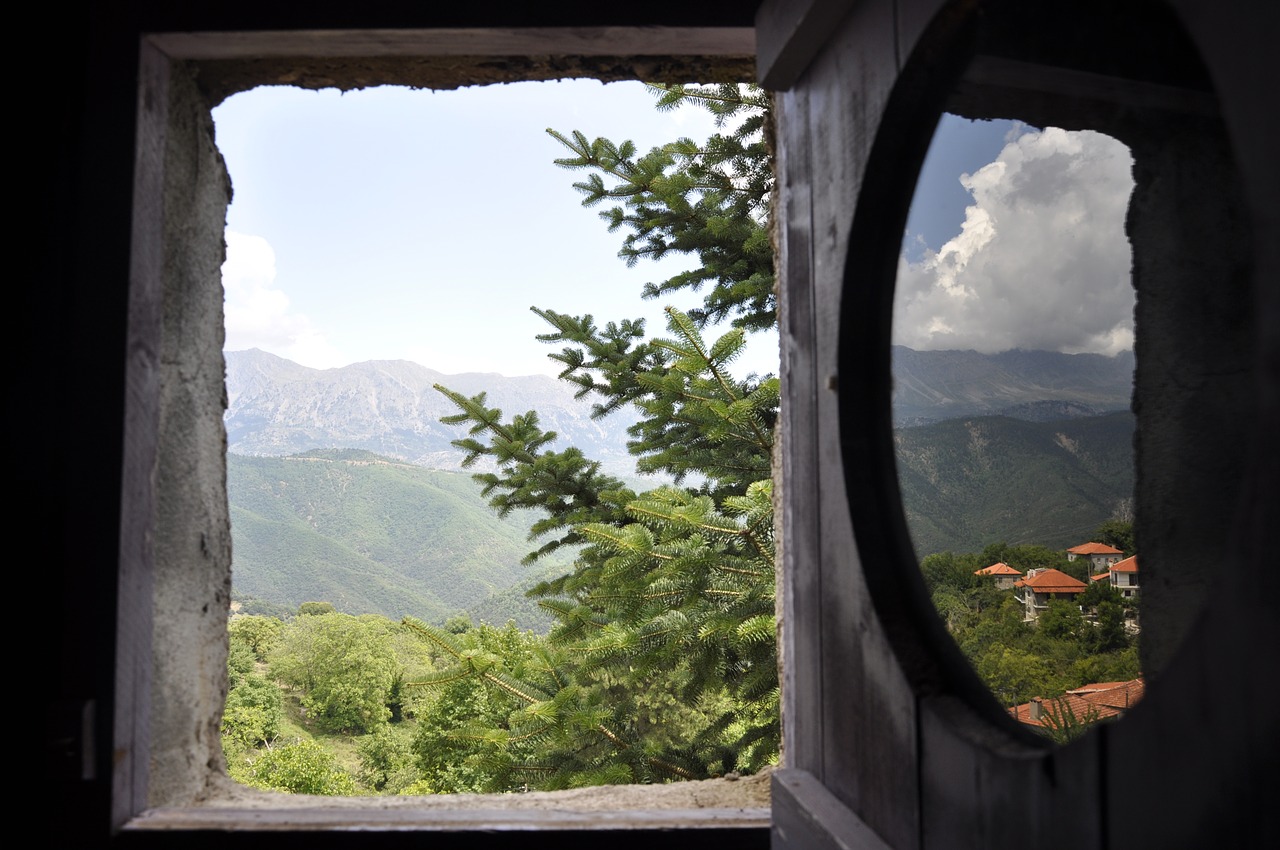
(258, 313)
(1041, 262)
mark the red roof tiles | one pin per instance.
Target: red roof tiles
(1000, 569)
(1107, 699)
(1092, 548)
(1052, 581)
(1128, 565)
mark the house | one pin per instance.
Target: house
(1099, 554)
(1124, 577)
(1003, 575)
(1098, 701)
(1041, 586)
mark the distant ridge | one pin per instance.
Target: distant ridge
(277, 407)
(930, 386)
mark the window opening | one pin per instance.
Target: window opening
(1013, 373)
(441, 229)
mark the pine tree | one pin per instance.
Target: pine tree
(672, 589)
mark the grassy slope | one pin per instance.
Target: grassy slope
(368, 535)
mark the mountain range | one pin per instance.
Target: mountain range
(276, 407)
(344, 487)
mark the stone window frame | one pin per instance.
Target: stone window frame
(175, 549)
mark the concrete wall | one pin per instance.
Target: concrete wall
(192, 526)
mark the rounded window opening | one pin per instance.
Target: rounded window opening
(1126, 94)
(1012, 366)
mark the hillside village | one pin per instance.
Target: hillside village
(1039, 586)
(1064, 716)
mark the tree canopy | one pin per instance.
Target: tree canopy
(668, 612)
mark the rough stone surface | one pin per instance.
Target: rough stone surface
(748, 792)
(220, 79)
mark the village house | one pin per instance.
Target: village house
(1099, 554)
(1095, 702)
(1043, 585)
(1003, 575)
(1124, 577)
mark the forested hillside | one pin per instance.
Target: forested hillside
(970, 482)
(375, 535)
(370, 535)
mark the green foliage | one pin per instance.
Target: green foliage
(662, 661)
(386, 760)
(1108, 635)
(1015, 675)
(1061, 620)
(459, 745)
(253, 713)
(1096, 593)
(1117, 533)
(1061, 723)
(307, 609)
(710, 200)
(343, 666)
(298, 767)
(1120, 665)
(245, 605)
(254, 709)
(256, 631)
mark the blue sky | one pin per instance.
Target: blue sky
(398, 224)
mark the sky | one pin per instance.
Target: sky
(392, 224)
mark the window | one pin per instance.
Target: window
(190, 581)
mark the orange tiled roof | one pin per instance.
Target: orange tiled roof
(1100, 577)
(1000, 569)
(1108, 699)
(1052, 581)
(1128, 565)
(1092, 548)
(1118, 695)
